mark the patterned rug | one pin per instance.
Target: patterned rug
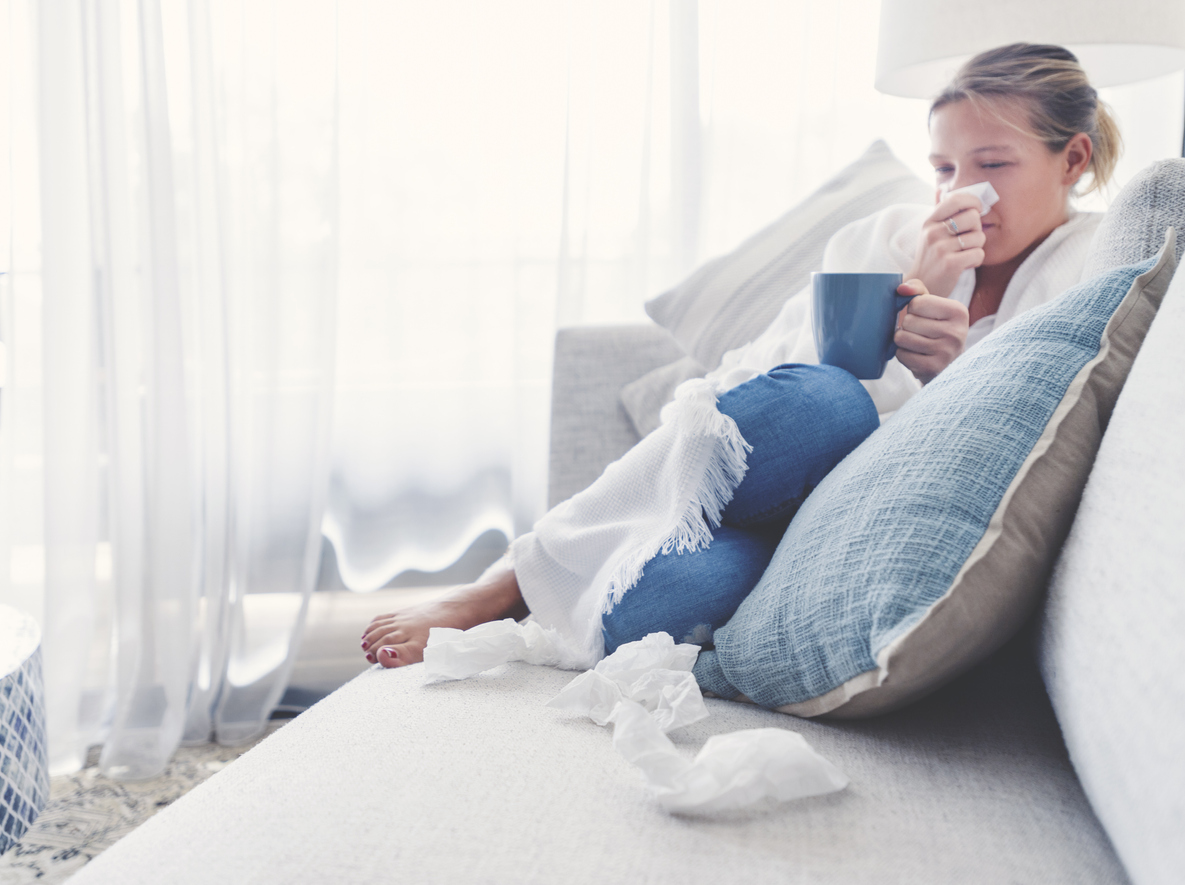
(87, 812)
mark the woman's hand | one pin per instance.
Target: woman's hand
(952, 241)
(931, 331)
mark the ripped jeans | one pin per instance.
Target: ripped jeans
(801, 421)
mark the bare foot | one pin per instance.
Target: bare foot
(399, 638)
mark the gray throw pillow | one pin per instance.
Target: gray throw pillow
(1133, 228)
(643, 399)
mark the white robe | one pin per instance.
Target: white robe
(588, 551)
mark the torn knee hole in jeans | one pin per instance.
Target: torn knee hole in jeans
(700, 635)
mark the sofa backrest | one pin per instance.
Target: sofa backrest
(1112, 646)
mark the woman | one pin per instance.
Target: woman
(738, 453)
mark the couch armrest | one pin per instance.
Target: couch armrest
(589, 427)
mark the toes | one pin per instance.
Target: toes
(395, 640)
(378, 623)
(385, 634)
(401, 654)
(384, 640)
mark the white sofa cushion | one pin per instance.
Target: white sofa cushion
(1113, 643)
(478, 781)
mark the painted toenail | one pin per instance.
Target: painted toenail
(387, 649)
(371, 658)
(365, 645)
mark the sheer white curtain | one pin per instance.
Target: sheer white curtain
(168, 322)
(508, 168)
(515, 166)
(224, 215)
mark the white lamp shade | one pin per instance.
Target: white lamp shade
(923, 42)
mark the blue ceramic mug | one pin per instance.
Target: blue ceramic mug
(855, 315)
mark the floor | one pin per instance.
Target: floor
(88, 812)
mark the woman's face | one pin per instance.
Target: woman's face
(992, 142)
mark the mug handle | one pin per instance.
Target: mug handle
(899, 301)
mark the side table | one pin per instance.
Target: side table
(24, 759)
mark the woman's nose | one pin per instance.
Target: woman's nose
(962, 178)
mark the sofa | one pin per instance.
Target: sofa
(1055, 760)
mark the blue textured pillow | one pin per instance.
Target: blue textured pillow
(931, 543)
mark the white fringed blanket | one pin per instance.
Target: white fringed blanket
(667, 493)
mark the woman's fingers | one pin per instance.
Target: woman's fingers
(921, 327)
(938, 238)
(925, 367)
(960, 207)
(962, 222)
(922, 341)
(952, 241)
(974, 239)
(935, 308)
(965, 259)
(931, 333)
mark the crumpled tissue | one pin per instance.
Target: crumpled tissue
(646, 689)
(653, 672)
(743, 770)
(459, 654)
(982, 189)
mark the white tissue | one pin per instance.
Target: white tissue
(646, 689)
(653, 672)
(982, 189)
(657, 651)
(743, 770)
(673, 696)
(459, 654)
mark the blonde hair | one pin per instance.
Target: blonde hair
(1060, 99)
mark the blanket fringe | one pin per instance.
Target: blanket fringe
(694, 411)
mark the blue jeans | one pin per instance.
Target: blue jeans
(801, 421)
